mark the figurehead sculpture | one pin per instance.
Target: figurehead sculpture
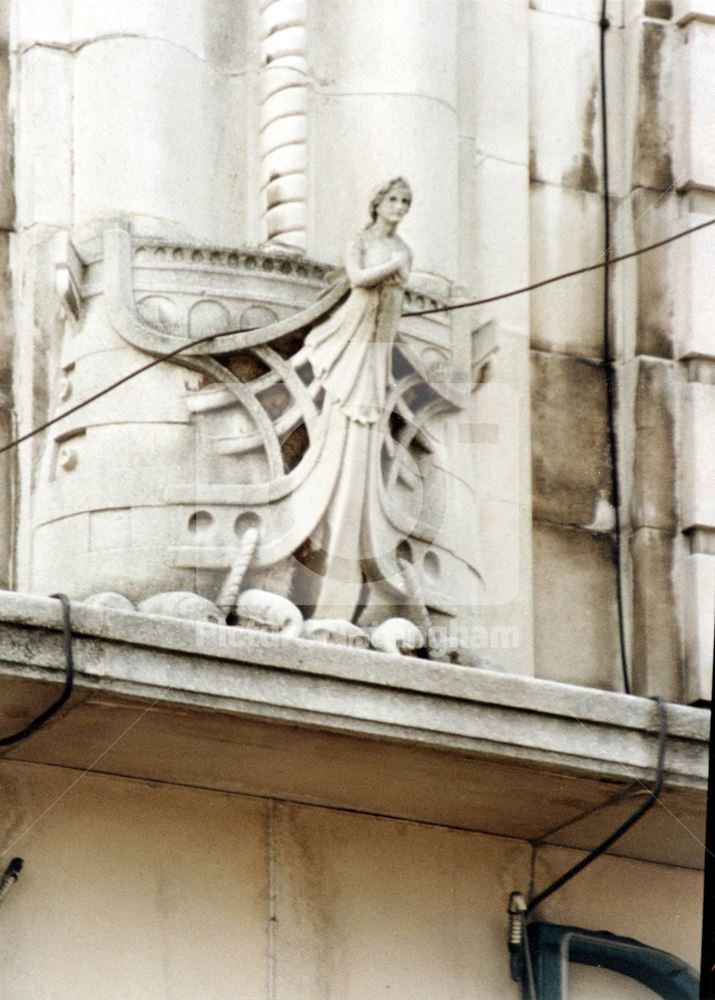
(292, 472)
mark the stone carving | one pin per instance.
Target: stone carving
(351, 357)
(260, 609)
(237, 465)
(397, 635)
(177, 604)
(337, 631)
(109, 599)
(284, 105)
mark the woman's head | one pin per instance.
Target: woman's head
(398, 185)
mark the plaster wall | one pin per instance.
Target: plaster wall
(144, 889)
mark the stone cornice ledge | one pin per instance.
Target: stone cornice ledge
(378, 696)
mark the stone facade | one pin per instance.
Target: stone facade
(173, 170)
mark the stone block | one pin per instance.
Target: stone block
(566, 146)
(43, 138)
(575, 617)
(6, 316)
(6, 474)
(656, 453)
(693, 10)
(662, 10)
(695, 303)
(571, 465)
(43, 22)
(694, 153)
(340, 934)
(504, 615)
(4, 25)
(583, 10)
(493, 220)
(698, 456)
(656, 103)
(180, 156)
(698, 602)
(215, 30)
(351, 49)
(494, 91)
(657, 666)
(7, 198)
(658, 274)
(358, 141)
(566, 232)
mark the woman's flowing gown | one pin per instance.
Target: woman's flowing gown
(351, 356)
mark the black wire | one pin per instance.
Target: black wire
(609, 362)
(187, 345)
(624, 827)
(69, 681)
(565, 274)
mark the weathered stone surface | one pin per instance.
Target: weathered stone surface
(576, 628)
(38, 22)
(659, 272)
(412, 700)
(368, 138)
(181, 605)
(493, 251)
(109, 599)
(657, 105)
(43, 138)
(565, 136)
(6, 507)
(182, 131)
(493, 92)
(698, 578)
(658, 656)
(695, 303)
(694, 159)
(7, 197)
(397, 636)
(566, 232)
(584, 10)
(689, 10)
(361, 56)
(656, 472)
(698, 456)
(571, 466)
(6, 315)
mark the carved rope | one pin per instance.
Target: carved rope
(284, 102)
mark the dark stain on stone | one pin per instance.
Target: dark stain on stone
(654, 158)
(533, 166)
(654, 502)
(662, 9)
(571, 465)
(585, 175)
(658, 661)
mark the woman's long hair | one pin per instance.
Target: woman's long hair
(380, 193)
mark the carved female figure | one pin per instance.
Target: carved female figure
(350, 354)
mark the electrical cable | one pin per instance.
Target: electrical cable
(609, 361)
(564, 274)
(42, 718)
(187, 345)
(624, 827)
(10, 876)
